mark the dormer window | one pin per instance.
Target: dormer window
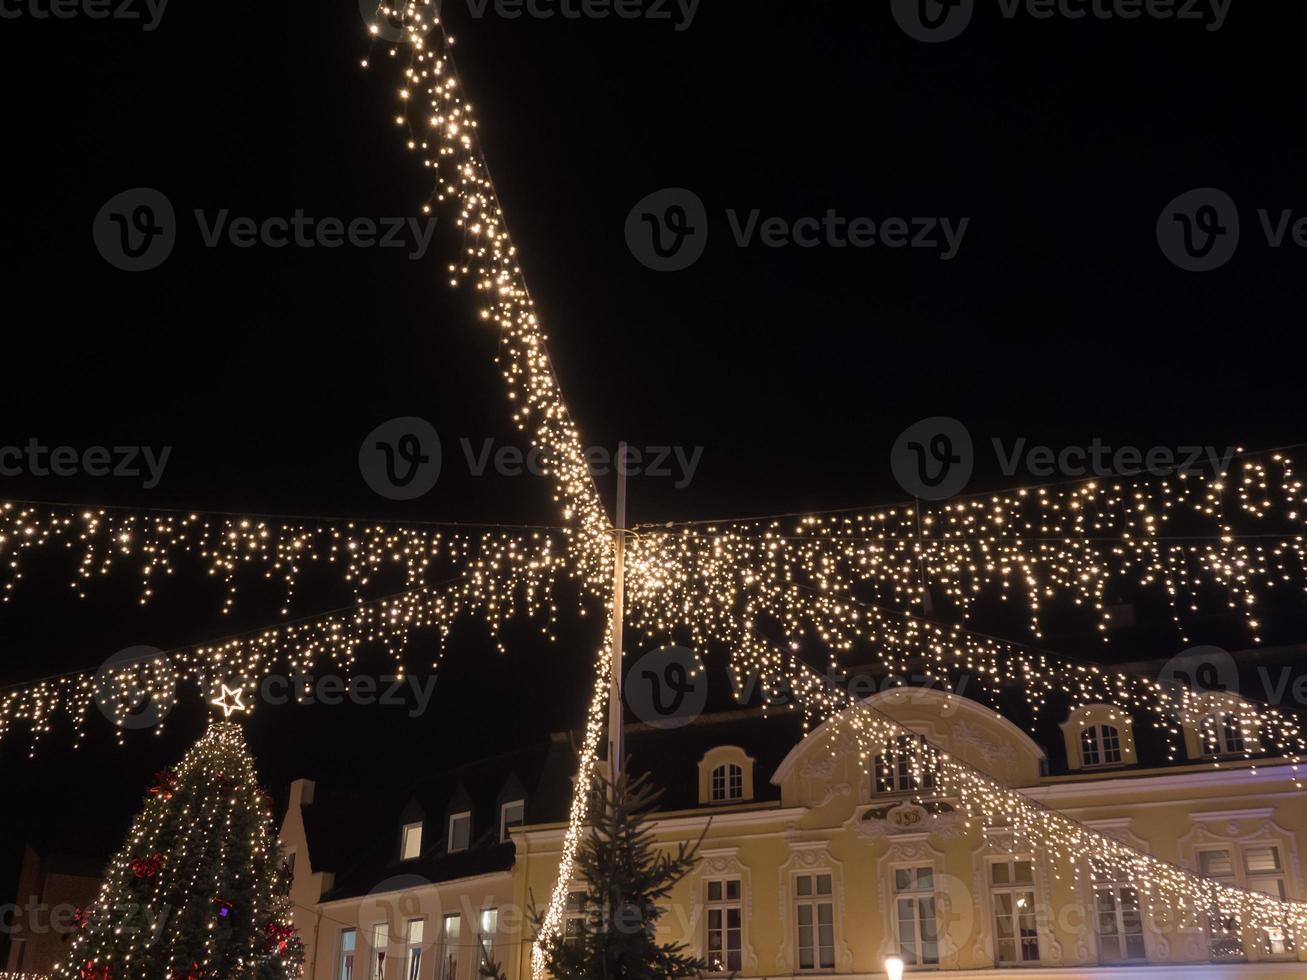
(1222, 734)
(1100, 745)
(411, 841)
(511, 815)
(725, 776)
(460, 831)
(727, 783)
(1099, 736)
(905, 767)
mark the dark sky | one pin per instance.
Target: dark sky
(1059, 320)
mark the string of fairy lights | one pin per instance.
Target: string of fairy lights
(857, 729)
(834, 579)
(718, 582)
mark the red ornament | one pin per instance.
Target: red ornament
(194, 973)
(165, 781)
(90, 971)
(277, 936)
(147, 867)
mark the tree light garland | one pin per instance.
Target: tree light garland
(716, 583)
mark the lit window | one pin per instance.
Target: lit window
(903, 768)
(815, 916)
(347, 938)
(1100, 745)
(412, 845)
(486, 935)
(724, 923)
(727, 783)
(1116, 911)
(380, 938)
(460, 831)
(1224, 942)
(914, 903)
(413, 941)
(511, 815)
(1012, 888)
(449, 957)
(1222, 735)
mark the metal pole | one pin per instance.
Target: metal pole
(615, 698)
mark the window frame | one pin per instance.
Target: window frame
(341, 972)
(404, 831)
(377, 964)
(894, 767)
(732, 783)
(1114, 885)
(724, 905)
(1012, 887)
(1217, 733)
(413, 948)
(1100, 737)
(814, 901)
(915, 894)
(449, 951)
(454, 818)
(503, 818)
(486, 939)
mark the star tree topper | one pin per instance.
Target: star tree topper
(235, 705)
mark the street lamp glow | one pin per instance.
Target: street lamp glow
(894, 968)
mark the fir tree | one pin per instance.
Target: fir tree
(198, 889)
(626, 876)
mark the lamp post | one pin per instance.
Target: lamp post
(894, 968)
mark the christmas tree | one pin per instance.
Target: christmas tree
(626, 877)
(198, 889)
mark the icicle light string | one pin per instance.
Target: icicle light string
(1079, 543)
(153, 545)
(856, 728)
(500, 583)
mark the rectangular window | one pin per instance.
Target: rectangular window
(574, 918)
(511, 815)
(1223, 939)
(413, 941)
(1012, 889)
(914, 903)
(449, 951)
(380, 938)
(815, 917)
(725, 923)
(412, 843)
(1116, 914)
(347, 941)
(903, 767)
(460, 831)
(486, 935)
(1265, 873)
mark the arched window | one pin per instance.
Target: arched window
(1222, 734)
(1100, 745)
(727, 783)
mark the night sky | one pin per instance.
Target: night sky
(1059, 320)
